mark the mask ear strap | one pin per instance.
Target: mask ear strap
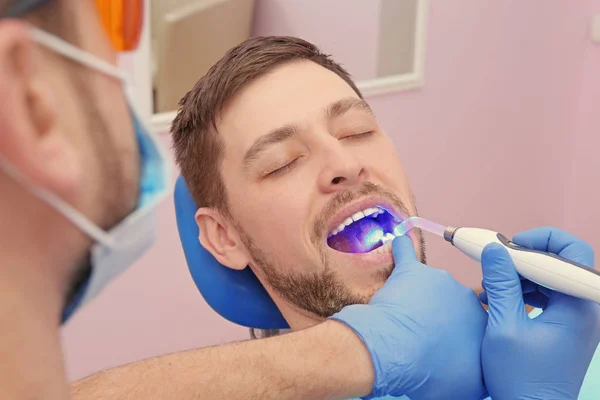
(74, 53)
(64, 208)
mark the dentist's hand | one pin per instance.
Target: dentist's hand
(546, 357)
(423, 330)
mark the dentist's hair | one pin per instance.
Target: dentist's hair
(51, 16)
(198, 148)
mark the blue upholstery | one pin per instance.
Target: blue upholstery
(235, 295)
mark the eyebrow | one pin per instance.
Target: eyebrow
(341, 107)
(278, 135)
(262, 143)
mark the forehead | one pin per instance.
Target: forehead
(294, 93)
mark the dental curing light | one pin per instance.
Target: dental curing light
(545, 269)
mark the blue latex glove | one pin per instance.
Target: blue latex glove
(423, 330)
(546, 357)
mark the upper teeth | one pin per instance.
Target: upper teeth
(372, 211)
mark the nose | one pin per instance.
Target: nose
(342, 169)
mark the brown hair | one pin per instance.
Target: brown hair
(198, 150)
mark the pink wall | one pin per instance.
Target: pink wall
(501, 136)
(583, 202)
(351, 34)
(488, 142)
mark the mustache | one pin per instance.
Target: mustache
(347, 196)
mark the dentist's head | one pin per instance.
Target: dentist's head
(79, 176)
(293, 175)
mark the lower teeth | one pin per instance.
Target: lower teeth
(386, 248)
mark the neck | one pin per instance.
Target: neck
(31, 363)
(35, 244)
(296, 318)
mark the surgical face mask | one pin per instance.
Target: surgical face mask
(115, 250)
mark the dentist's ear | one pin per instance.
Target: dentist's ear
(30, 136)
(221, 239)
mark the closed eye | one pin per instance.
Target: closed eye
(357, 136)
(283, 169)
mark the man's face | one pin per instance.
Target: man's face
(305, 157)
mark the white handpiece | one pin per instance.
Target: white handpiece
(545, 269)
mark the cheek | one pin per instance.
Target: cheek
(278, 234)
(387, 169)
(384, 159)
(270, 217)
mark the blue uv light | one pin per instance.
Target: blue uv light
(373, 237)
(400, 230)
(406, 226)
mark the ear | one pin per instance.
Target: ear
(30, 137)
(221, 239)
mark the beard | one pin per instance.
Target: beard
(322, 293)
(116, 198)
(114, 192)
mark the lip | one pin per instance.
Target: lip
(361, 204)
(367, 261)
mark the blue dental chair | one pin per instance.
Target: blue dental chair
(237, 296)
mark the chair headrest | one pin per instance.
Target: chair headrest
(237, 296)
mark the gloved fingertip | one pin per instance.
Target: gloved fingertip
(403, 250)
(495, 261)
(502, 283)
(494, 247)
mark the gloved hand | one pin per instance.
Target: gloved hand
(546, 357)
(423, 330)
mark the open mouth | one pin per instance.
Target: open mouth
(364, 232)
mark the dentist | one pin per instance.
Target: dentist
(81, 178)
